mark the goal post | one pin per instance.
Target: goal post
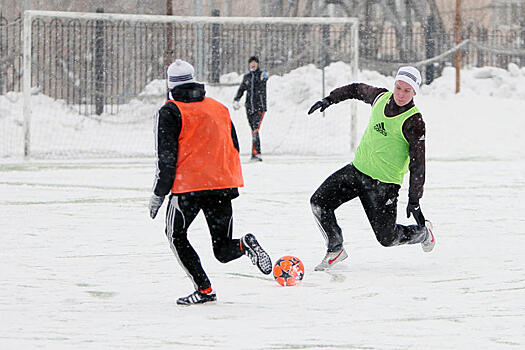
(135, 47)
(27, 83)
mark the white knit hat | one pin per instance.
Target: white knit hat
(409, 75)
(179, 72)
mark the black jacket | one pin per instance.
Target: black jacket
(413, 130)
(254, 82)
(168, 124)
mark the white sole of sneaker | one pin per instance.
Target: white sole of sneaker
(428, 247)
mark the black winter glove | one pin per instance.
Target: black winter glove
(323, 104)
(415, 209)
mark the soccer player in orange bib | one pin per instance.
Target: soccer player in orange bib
(198, 165)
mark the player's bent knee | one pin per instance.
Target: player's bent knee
(386, 241)
(222, 253)
(222, 258)
(320, 204)
(315, 204)
(316, 210)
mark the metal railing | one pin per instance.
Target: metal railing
(10, 55)
(98, 63)
(383, 49)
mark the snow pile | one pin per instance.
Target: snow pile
(484, 81)
(458, 125)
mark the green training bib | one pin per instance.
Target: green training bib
(382, 153)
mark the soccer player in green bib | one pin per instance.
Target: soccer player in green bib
(392, 145)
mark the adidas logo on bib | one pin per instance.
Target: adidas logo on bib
(380, 127)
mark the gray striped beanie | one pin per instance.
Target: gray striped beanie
(179, 72)
(409, 75)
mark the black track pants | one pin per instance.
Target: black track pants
(379, 200)
(181, 212)
(255, 121)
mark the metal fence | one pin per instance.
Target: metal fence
(10, 55)
(97, 65)
(383, 48)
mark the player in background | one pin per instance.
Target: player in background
(254, 82)
(393, 144)
(198, 162)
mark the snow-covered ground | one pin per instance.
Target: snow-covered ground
(83, 266)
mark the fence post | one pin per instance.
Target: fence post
(325, 43)
(367, 29)
(430, 46)
(479, 53)
(199, 44)
(353, 105)
(27, 56)
(215, 46)
(522, 40)
(1, 50)
(457, 37)
(169, 36)
(99, 65)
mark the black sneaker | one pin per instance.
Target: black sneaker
(197, 297)
(259, 257)
(256, 158)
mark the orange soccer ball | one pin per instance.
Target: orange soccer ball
(288, 271)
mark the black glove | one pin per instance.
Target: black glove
(323, 104)
(154, 205)
(415, 209)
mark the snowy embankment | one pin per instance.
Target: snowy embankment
(458, 125)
